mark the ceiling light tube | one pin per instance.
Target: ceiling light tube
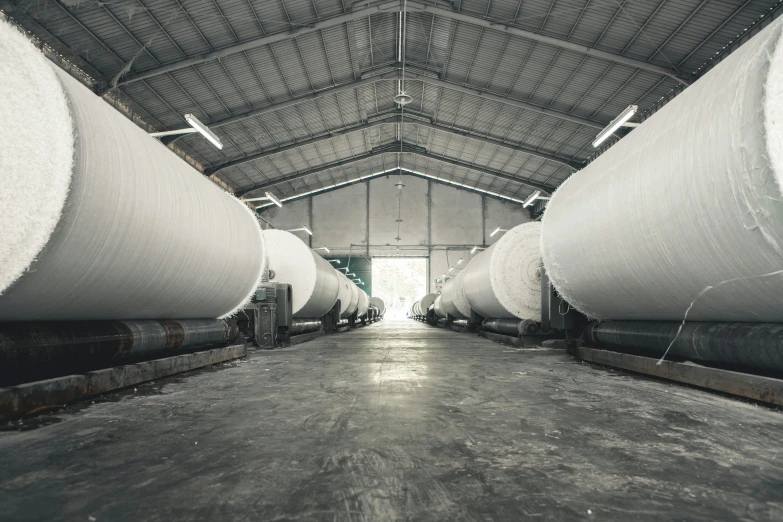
(335, 261)
(477, 248)
(204, 130)
(322, 248)
(302, 228)
(531, 198)
(616, 123)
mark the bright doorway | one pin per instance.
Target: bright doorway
(400, 282)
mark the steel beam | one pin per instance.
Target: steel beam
(223, 52)
(301, 99)
(507, 101)
(410, 75)
(393, 118)
(557, 42)
(405, 150)
(390, 6)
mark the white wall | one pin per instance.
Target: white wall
(439, 221)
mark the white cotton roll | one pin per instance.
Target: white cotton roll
(379, 304)
(458, 297)
(686, 208)
(354, 305)
(437, 306)
(313, 281)
(100, 221)
(504, 281)
(449, 297)
(426, 303)
(364, 303)
(344, 293)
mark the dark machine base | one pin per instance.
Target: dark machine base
(34, 397)
(756, 387)
(303, 338)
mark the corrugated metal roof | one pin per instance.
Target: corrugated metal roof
(327, 45)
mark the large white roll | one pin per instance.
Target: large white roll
(504, 281)
(379, 304)
(354, 298)
(689, 200)
(364, 303)
(313, 281)
(437, 306)
(450, 297)
(344, 293)
(98, 220)
(426, 302)
(352, 301)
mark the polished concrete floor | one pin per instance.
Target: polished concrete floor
(398, 421)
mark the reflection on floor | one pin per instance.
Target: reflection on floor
(396, 421)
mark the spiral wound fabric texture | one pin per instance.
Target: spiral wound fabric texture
(313, 281)
(457, 294)
(100, 221)
(686, 209)
(504, 281)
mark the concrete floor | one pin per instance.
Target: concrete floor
(398, 421)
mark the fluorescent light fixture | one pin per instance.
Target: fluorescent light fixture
(476, 248)
(302, 228)
(616, 123)
(271, 197)
(204, 130)
(451, 269)
(344, 268)
(268, 196)
(531, 198)
(498, 230)
(322, 248)
(351, 274)
(335, 261)
(460, 261)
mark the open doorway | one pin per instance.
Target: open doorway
(399, 281)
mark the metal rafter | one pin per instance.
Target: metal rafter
(393, 148)
(413, 7)
(393, 117)
(255, 43)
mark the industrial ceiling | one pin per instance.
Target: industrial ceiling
(507, 94)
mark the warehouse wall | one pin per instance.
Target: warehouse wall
(439, 221)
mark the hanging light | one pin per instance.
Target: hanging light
(619, 121)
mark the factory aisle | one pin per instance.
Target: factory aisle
(397, 421)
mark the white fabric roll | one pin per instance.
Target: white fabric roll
(689, 200)
(313, 281)
(344, 293)
(448, 296)
(504, 281)
(458, 297)
(437, 305)
(364, 303)
(426, 303)
(100, 221)
(379, 304)
(354, 297)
